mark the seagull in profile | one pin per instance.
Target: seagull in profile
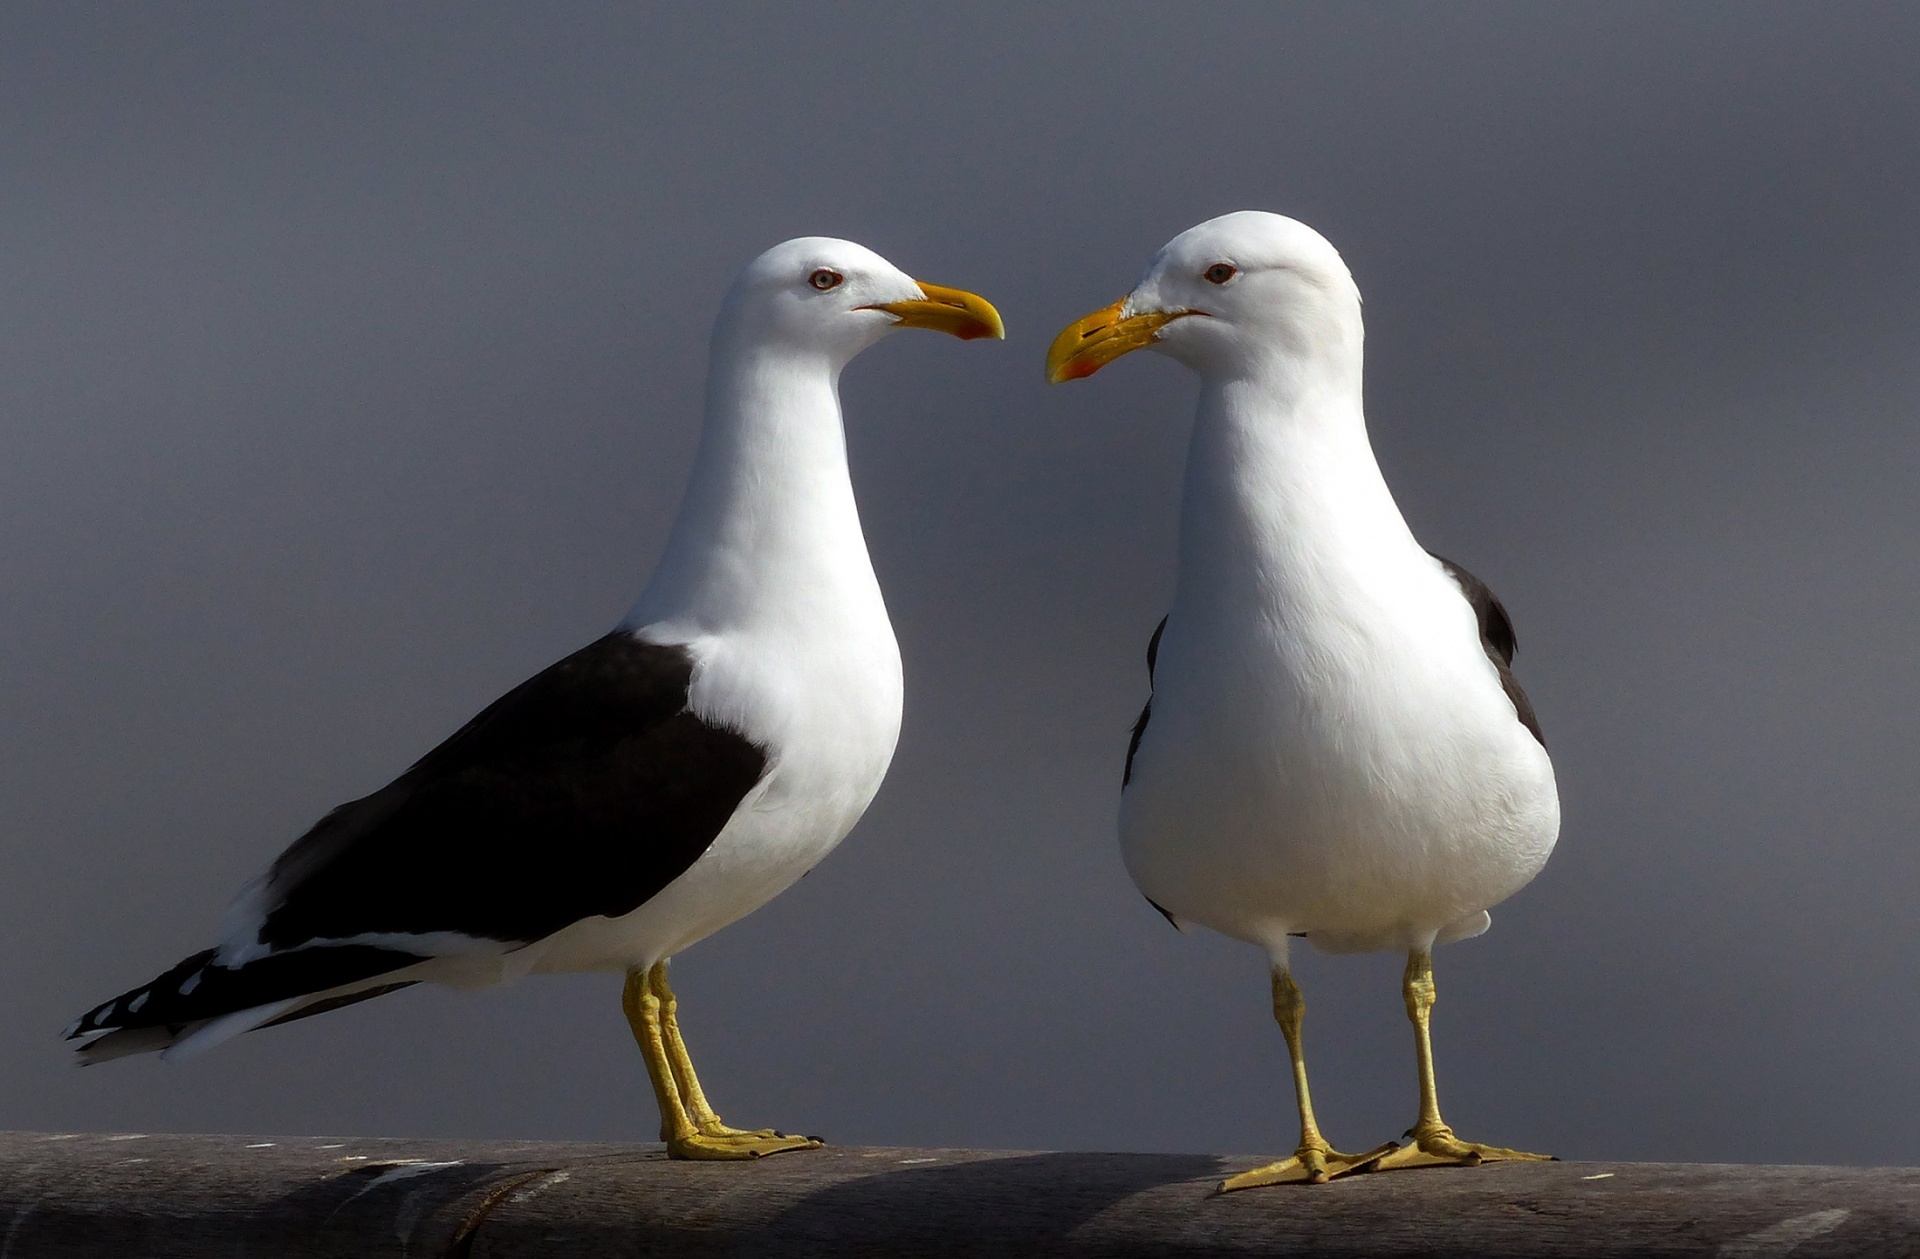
(1335, 747)
(654, 786)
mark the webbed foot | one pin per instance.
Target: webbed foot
(735, 1145)
(1438, 1147)
(1309, 1165)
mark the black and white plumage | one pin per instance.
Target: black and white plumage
(1497, 639)
(651, 787)
(1335, 746)
(519, 825)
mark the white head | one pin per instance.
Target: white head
(1235, 293)
(832, 298)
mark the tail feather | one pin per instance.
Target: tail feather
(199, 1003)
(328, 1004)
(105, 1046)
(204, 1036)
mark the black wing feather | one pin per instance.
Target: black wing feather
(1139, 730)
(1146, 713)
(583, 791)
(196, 989)
(1497, 638)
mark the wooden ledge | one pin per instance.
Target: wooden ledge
(72, 1195)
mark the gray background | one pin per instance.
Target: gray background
(349, 366)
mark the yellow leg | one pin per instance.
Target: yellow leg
(1315, 1162)
(699, 1110)
(687, 1123)
(1434, 1144)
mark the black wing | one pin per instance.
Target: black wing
(583, 791)
(1140, 726)
(1140, 729)
(1497, 637)
(154, 1015)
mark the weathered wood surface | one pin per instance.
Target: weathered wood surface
(191, 1197)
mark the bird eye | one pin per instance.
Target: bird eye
(823, 279)
(1219, 273)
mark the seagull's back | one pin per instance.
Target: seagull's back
(767, 585)
(649, 789)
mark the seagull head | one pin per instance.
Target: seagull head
(1224, 297)
(819, 296)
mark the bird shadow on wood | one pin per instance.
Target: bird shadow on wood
(1027, 1205)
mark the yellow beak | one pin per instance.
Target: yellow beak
(1085, 347)
(954, 311)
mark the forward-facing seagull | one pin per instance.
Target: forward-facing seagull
(1335, 746)
(653, 786)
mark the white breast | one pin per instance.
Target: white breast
(1330, 750)
(1363, 782)
(830, 719)
(766, 579)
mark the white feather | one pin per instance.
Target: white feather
(1331, 751)
(766, 582)
(217, 1031)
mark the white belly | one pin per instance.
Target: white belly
(1366, 807)
(761, 853)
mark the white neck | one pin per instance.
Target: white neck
(1283, 496)
(768, 537)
